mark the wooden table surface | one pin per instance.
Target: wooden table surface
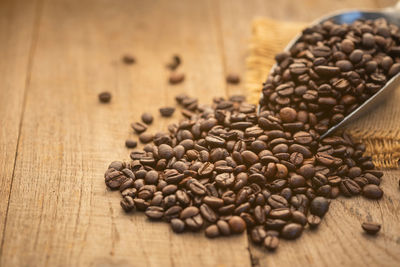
(56, 140)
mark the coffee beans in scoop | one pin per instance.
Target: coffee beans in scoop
(332, 70)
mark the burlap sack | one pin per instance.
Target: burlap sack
(379, 129)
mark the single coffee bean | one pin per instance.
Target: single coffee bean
(147, 118)
(236, 224)
(313, 220)
(127, 203)
(167, 111)
(128, 59)
(154, 212)
(371, 228)
(145, 138)
(233, 78)
(319, 206)
(223, 227)
(129, 143)
(177, 225)
(175, 62)
(372, 191)
(212, 231)
(105, 97)
(139, 127)
(288, 114)
(176, 77)
(292, 231)
(271, 242)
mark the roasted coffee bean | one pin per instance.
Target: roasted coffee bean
(371, 228)
(105, 97)
(129, 143)
(167, 111)
(313, 220)
(208, 213)
(128, 59)
(292, 231)
(319, 206)
(147, 118)
(127, 203)
(258, 234)
(277, 201)
(139, 127)
(237, 224)
(212, 231)
(372, 191)
(177, 225)
(349, 187)
(154, 212)
(271, 242)
(233, 78)
(176, 77)
(175, 62)
(223, 227)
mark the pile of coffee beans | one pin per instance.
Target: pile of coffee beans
(332, 70)
(226, 167)
(223, 168)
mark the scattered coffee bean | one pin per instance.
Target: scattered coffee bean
(271, 242)
(139, 127)
(104, 97)
(147, 118)
(176, 77)
(319, 206)
(129, 143)
(177, 225)
(127, 59)
(233, 78)
(145, 138)
(175, 62)
(372, 191)
(371, 228)
(212, 231)
(167, 111)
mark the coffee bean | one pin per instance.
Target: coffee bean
(208, 213)
(145, 138)
(371, 228)
(128, 59)
(271, 242)
(176, 77)
(319, 206)
(292, 231)
(165, 151)
(236, 224)
(129, 143)
(233, 78)
(189, 212)
(177, 225)
(313, 220)
(139, 127)
(303, 138)
(167, 111)
(372, 191)
(175, 62)
(212, 231)
(288, 114)
(154, 212)
(223, 227)
(127, 203)
(147, 118)
(105, 97)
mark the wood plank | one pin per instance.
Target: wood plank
(340, 241)
(60, 211)
(17, 20)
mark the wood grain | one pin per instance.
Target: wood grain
(60, 213)
(17, 26)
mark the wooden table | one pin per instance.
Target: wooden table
(56, 140)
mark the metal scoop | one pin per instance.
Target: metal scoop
(392, 15)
